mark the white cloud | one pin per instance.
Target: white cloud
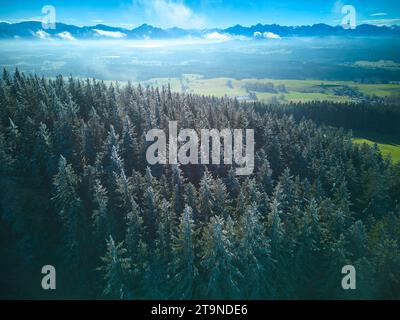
(266, 35)
(217, 36)
(271, 35)
(98, 21)
(382, 22)
(33, 19)
(257, 35)
(110, 34)
(170, 13)
(66, 35)
(42, 34)
(379, 14)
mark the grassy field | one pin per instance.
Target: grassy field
(388, 145)
(295, 90)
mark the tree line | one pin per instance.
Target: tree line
(382, 117)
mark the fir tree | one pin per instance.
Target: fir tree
(70, 210)
(102, 222)
(183, 269)
(254, 253)
(221, 273)
(116, 268)
(206, 196)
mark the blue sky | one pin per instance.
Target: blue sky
(201, 13)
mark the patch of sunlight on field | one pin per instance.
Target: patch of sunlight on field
(380, 90)
(386, 149)
(297, 90)
(293, 96)
(218, 87)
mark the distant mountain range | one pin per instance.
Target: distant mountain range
(34, 29)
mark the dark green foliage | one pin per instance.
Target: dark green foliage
(116, 270)
(182, 264)
(221, 275)
(77, 192)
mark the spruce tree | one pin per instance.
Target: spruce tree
(129, 147)
(206, 196)
(254, 255)
(116, 268)
(179, 191)
(183, 269)
(220, 266)
(70, 209)
(102, 222)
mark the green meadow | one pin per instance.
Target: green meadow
(295, 90)
(388, 145)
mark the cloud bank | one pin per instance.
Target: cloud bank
(382, 22)
(266, 35)
(110, 34)
(217, 36)
(42, 34)
(66, 36)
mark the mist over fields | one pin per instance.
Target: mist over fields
(363, 59)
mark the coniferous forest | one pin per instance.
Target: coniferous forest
(76, 192)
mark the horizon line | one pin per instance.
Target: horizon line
(208, 28)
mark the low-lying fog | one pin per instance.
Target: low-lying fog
(301, 58)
